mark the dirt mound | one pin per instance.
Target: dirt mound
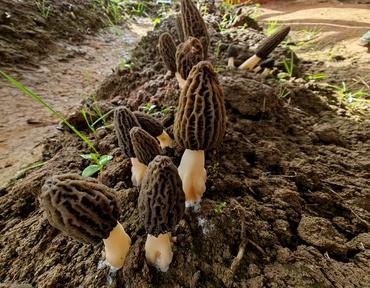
(286, 205)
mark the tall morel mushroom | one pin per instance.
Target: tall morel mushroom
(179, 28)
(167, 50)
(87, 211)
(265, 48)
(188, 54)
(145, 147)
(154, 128)
(200, 124)
(161, 206)
(193, 24)
(124, 120)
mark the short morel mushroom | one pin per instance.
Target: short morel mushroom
(145, 147)
(200, 124)
(154, 128)
(87, 211)
(188, 54)
(193, 24)
(232, 53)
(167, 50)
(265, 48)
(124, 120)
(161, 206)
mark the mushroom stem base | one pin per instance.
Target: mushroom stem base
(193, 176)
(165, 140)
(158, 251)
(138, 170)
(250, 63)
(231, 62)
(180, 80)
(117, 246)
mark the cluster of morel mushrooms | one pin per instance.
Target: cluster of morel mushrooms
(88, 211)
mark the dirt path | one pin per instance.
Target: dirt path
(62, 80)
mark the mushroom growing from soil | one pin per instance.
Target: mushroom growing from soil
(86, 210)
(193, 24)
(124, 120)
(145, 148)
(167, 50)
(200, 124)
(188, 54)
(161, 206)
(179, 29)
(154, 128)
(265, 48)
(232, 53)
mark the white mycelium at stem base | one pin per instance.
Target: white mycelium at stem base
(117, 246)
(165, 140)
(250, 63)
(158, 251)
(138, 170)
(193, 176)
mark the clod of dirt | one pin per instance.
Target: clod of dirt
(320, 233)
(328, 134)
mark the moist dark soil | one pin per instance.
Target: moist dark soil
(287, 200)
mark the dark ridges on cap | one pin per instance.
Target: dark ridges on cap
(146, 147)
(188, 54)
(167, 49)
(271, 42)
(149, 124)
(179, 28)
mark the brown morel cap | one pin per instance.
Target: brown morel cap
(167, 49)
(193, 24)
(161, 200)
(80, 207)
(124, 120)
(145, 146)
(200, 121)
(232, 51)
(179, 28)
(188, 54)
(271, 42)
(149, 124)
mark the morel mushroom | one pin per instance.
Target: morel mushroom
(199, 125)
(87, 211)
(145, 147)
(265, 48)
(193, 24)
(179, 28)
(188, 54)
(154, 128)
(161, 206)
(167, 50)
(124, 120)
(232, 53)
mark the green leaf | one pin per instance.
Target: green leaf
(104, 160)
(90, 170)
(87, 156)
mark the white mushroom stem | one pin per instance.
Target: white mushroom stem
(158, 251)
(138, 170)
(193, 176)
(117, 246)
(180, 80)
(165, 140)
(231, 62)
(250, 63)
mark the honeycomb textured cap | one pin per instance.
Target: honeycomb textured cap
(232, 51)
(80, 207)
(145, 146)
(271, 42)
(200, 121)
(149, 124)
(124, 120)
(161, 200)
(188, 54)
(179, 28)
(193, 24)
(167, 50)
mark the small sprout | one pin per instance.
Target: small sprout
(193, 25)
(154, 128)
(220, 207)
(265, 48)
(200, 124)
(87, 211)
(161, 206)
(167, 50)
(188, 54)
(100, 163)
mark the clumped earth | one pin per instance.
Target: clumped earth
(287, 200)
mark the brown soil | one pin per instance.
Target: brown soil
(293, 173)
